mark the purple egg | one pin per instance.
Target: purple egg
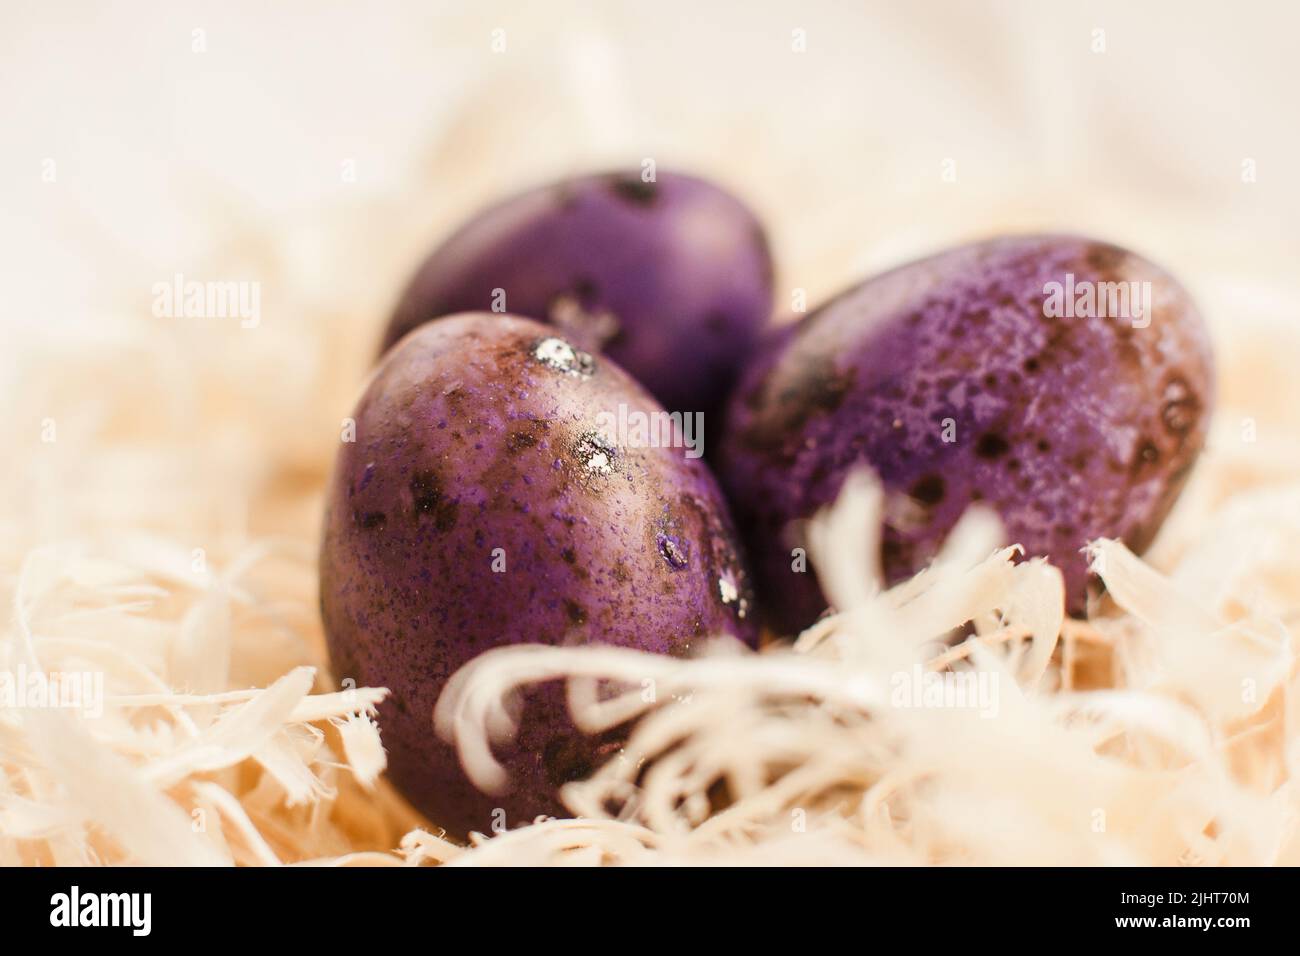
(1066, 383)
(483, 503)
(672, 279)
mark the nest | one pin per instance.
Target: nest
(159, 536)
(1163, 730)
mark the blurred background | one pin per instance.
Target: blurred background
(865, 131)
(319, 149)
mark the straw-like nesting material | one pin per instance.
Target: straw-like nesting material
(1165, 735)
(1163, 731)
(161, 507)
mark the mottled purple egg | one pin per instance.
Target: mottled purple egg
(1067, 383)
(672, 279)
(486, 501)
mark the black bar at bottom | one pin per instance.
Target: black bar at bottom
(368, 905)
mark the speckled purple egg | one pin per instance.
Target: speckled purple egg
(1067, 383)
(485, 502)
(672, 279)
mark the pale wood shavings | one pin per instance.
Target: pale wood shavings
(166, 541)
(1162, 730)
(163, 762)
(1170, 764)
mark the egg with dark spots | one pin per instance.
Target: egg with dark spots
(672, 278)
(484, 503)
(1064, 382)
